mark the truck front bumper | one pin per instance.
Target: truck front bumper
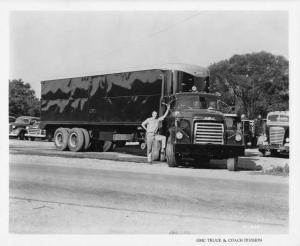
(212, 151)
(280, 149)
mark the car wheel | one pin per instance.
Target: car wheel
(21, 135)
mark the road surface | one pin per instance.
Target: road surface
(64, 193)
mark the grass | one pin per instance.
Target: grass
(277, 170)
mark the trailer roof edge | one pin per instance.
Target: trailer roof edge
(195, 70)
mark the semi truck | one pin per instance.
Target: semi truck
(103, 111)
(276, 139)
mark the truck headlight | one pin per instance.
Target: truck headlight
(27, 127)
(287, 140)
(238, 137)
(13, 127)
(184, 124)
(179, 135)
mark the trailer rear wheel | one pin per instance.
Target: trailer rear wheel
(232, 164)
(61, 136)
(76, 139)
(172, 159)
(87, 138)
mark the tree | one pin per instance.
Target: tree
(255, 83)
(22, 99)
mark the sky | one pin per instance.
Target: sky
(48, 45)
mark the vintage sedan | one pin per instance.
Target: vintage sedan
(35, 132)
(17, 129)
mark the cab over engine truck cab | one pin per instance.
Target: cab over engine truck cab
(103, 111)
(276, 140)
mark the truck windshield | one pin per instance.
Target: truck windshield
(277, 117)
(196, 102)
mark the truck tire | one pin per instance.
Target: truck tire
(155, 153)
(172, 159)
(232, 164)
(87, 139)
(76, 140)
(61, 136)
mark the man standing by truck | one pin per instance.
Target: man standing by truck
(151, 126)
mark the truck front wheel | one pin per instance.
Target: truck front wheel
(172, 159)
(61, 136)
(232, 164)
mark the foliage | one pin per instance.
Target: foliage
(22, 99)
(254, 83)
(278, 170)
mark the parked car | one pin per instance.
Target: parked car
(17, 129)
(35, 132)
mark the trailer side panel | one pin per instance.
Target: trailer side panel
(123, 98)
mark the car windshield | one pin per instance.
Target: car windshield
(22, 120)
(196, 102)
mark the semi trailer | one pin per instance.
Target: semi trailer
(106, 110)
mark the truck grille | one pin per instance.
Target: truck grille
(276, 135)
(205, 132)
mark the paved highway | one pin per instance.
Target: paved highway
(63, 193)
